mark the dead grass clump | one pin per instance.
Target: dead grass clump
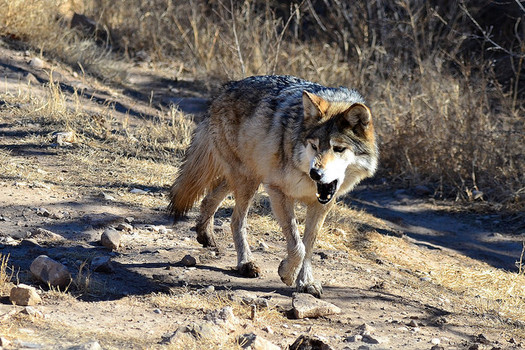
(6, 274)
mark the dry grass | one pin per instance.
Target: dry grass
(6, 274)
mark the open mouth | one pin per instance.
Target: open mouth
(325, 192)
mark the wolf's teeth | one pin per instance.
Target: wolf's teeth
(328, 196)
(318, 195)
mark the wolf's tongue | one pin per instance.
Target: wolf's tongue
(325, 192)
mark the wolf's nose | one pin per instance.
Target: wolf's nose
(315, 174)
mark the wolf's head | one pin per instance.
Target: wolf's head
(339, 144)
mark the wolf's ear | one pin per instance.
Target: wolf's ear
(314, 107)
(358, 115)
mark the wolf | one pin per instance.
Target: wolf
(303, 141)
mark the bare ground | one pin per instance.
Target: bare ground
(387, 270)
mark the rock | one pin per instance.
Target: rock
(129, 219)
(306, 342)
(110, 239)
(41, 234)
(223, 317)
(94, 345)
(36, 63)
(413, 323)
(263, 247)
(64, 138)
(31, 311)
(245, 297)
(24, 295)
(365, 329)
(354, 338)
(188, 261)
(43, 212)
(435, 341)
(306, 305)
(4, 342)
(50, 271)
(255, 342)
(374, 339)
(30, 78)
(268, 330)
(124, 227)
(107, 196)
(102, 264)
(437, 347)
(138, 191)
(205, 330)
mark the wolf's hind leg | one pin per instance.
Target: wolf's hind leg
(315, 215)
(208, 207)
(244, 191)
(283, 210)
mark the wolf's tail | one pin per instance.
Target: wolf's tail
(197, 175)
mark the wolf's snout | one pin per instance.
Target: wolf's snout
(315, 174)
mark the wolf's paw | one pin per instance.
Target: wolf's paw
(249, 269)
(287, 273)
(313, 288)
(206, 240)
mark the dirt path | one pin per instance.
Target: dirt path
(149, 294)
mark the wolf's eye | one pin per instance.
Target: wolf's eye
(339, 149)
(314, 147)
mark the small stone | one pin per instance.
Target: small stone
(307, 342)
(306, 305)
(263, 247)
(110, 239)
(413, 323)
(124, 227)
(94, 345)
(102, 264)
(255, 342)
(365, 329)
(50, 271)
(43, 212)
(354, 338)
(188, 261)
(222, 317)
(31, 311)
(64, 138)
(4, 342)
(268, 329)
(158, 311)
(41, 234)
(138, 191)
(374, 339)
(24, 295)
(107, 196)
(437, 347)
(129, 219)
(36, 63)
(435, 341)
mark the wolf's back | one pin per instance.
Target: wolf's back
(198, 172)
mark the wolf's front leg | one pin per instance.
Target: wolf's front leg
(243, 196)
(315, 215)
(283, 210)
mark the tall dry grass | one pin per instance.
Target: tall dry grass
(445, 83)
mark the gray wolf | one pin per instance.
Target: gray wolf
(303, 141)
